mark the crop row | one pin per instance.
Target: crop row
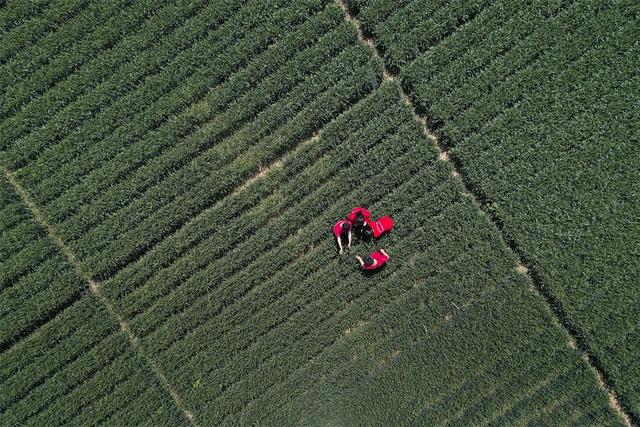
(11, 15)
(35, 281)
(404, 16)
(408, 33)
(586, 303)
(153, 158)
(23, 262)
(116, 69)
(60, 354)
(181, 109)
(234, 278)
(36, 297)
(30, 58)
(293, 175)
(94, 397)
(96, 374)
(500, 21)
(31, 29)
(378, 11)
(413, 323)
(16, 236)
(200, 176)
(500, 29)
(65, 339)
(529, 96)
(322, 225)
(416, 340)
(283, 296)
(303, 334)
(10, 214)
(208, 186)
(482, 377)
(60, 408)
(260, 233)
(96, 383)
(139, 81)
(196, 287)
(20, 95)
(573, 115)
(188, 70)
(220, 229)
(493, 167)
(307, 319)
(325, 248)
(526, 68)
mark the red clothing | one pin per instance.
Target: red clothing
(365, 213)
(383, 225)
(337, 228)
(381, 259)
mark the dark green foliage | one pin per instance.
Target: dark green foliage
(193, 157)
(79, 369)
(29, 62)
(539, 105)
(21, 29)
(36, 282)
(54, 173)
(62, 357)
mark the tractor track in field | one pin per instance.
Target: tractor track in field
(484, 202)
(93, 288)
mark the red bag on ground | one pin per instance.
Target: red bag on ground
(381, 226)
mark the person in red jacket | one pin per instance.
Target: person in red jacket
(359, 214)
(342, 231)
(360, 218)
(374, 261)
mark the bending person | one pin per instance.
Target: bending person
(377, 228)
(360, 218)
(364, 212)
(374, 261)
(342, 231)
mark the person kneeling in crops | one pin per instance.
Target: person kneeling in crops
(342, 231)
(359, 214)
(360, 222)
(374, 261)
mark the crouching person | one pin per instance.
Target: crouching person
(342, 231)
(374, 261)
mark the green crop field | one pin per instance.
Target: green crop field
(171, 172)
(538, 104)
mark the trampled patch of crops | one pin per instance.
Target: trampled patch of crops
(538, 102)
(172, 172)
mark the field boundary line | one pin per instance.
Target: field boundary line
(482, 201)
(93, 287)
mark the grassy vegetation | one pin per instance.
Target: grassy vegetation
(64, 359)
(192, 158)
(537, 103)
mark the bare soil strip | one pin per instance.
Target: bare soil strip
(93, 287)
(482, 201)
